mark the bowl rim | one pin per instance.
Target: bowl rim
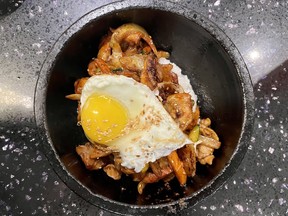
(124, 208)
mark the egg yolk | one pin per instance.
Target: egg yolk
(103, 118)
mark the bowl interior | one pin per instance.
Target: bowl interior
(201, 57)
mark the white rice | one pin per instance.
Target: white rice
(183, 80)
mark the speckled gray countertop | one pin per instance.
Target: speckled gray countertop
(28, 184)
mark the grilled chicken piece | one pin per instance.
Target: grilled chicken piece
(161, 167)
(98, 66)
(205, 122)
(93, 155)
(205, 154)
(90, 163)
(179, 106)
(208, 132)
(133, 63)
(130, 74)
(187, 155)
(112, 172)
(149, 74)
(131, 34)
(209, 142)
(79, 84)
(168, 88)
(125, 40)
(206, 149)
(105, 50)
(165, 74)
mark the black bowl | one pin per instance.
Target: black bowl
(217, 73)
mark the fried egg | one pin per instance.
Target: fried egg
(125, 115)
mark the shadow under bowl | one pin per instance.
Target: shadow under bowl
(204, 53)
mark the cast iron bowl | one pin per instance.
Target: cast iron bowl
(217, 73)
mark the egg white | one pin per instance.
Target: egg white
(151, 132)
